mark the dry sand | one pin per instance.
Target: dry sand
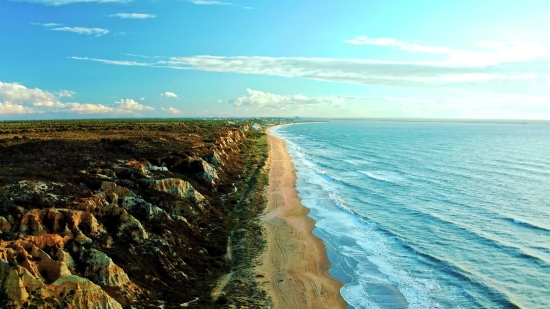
(295, 264)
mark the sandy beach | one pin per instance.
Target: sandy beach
(295, 265)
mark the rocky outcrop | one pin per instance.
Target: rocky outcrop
(215, 157)
(205, 172)
(39, 192)
(5, 225)
(32, 276)
(43, 221)
(229, 139)
(118, 222)
(53, 258)
(101, 270)
(41, 268)
(139, 166)
(66, 292)
(176, 187)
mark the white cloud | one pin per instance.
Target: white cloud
(494, 66)
(214, 2)
(361, 71)
(133, 15)
(47, 25)
(391, 42)
(132, 105)
(127, 106)
(9, 108)
(19, 94)
(129, 63)
(134, 55)
(86, 108)
(83, 30)
(16, 99)
(169, 94)
(259, 99)
(65, 93)
(79, 30)
(483, 105)
(171, 110)
(64, 2)
(208, 2)
(492, 53)
(143, 99)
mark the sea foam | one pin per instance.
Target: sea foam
(373, 261)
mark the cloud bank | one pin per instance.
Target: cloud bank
(132, 105)
(18, 99)
(489, 53)
(497, 66)
(171, 110)
(259, 99)
(9, 108)
(14, 93)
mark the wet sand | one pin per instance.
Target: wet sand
(295, 265)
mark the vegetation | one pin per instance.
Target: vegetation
(76, 156)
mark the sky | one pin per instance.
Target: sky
(481, 59)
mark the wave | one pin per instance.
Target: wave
(356, 296)
(456, 228)
(327, 176)
(511, 250)
(386, 176)
(370, 247)
(349, 224)
(319, 163)
(449, 204)
(314, 165)
(528, 225)
(468, 277)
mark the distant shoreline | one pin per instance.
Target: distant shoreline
(292, 123)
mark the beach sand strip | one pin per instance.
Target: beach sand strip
(295, 265)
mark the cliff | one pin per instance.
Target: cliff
(125, 215)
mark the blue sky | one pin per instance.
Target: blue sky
(353, 58)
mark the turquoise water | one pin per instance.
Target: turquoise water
(430, 214)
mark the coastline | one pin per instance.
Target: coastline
(295, 265)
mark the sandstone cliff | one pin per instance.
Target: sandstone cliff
(110, 222)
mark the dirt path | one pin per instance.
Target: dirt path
(295, 264)
(222, 282)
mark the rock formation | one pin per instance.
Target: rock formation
(117, 223)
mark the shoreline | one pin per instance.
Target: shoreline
(295, 264)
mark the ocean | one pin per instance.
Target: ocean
(429, 214)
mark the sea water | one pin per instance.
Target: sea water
(429, 214)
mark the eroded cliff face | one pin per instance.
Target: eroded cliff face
(118, 223)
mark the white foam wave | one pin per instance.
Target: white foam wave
(355, 295)
(367, 251)
(387, 176)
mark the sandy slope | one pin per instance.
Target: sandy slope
(295, 264)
